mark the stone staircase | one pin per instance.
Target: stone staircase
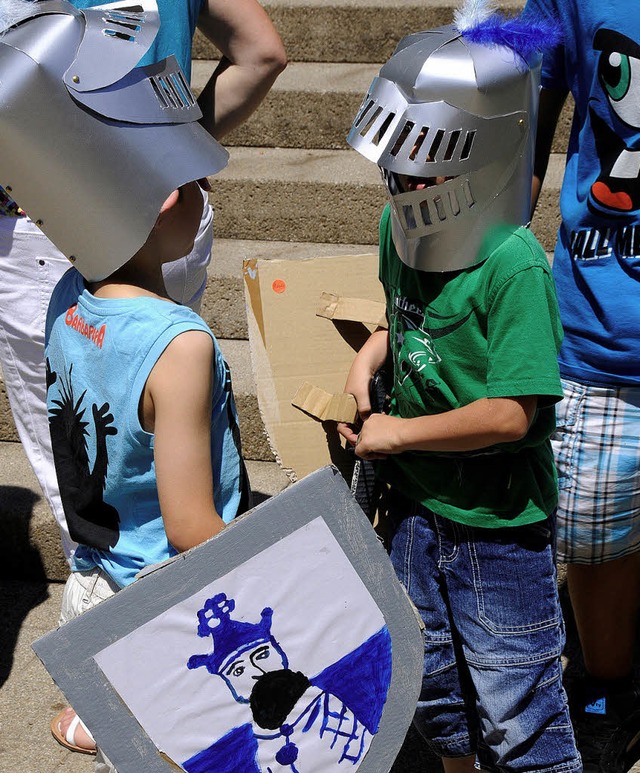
(292, 190)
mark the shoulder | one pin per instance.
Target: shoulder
(183, 370)
(513, 251)
(194, 341)
(189, 348)
(516, 260)
(175, 341)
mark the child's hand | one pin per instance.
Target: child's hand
(348, 431)
(378, 437)
(367, 362)
(358, 384)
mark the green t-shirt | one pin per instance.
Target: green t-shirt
(491, 330)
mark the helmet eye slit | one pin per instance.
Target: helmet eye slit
(384, 127)
(435, 145)
(371, 120)
(422, 136)
(453, 141)
(366, 106)
(402, 137)
(468, 144)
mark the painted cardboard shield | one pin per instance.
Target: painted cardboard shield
(283, 644)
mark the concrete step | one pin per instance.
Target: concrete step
(223, 305)
(313, 104)
(335, 196)
(309, 106)
(277, 194)
(349, 30)
(29, 538)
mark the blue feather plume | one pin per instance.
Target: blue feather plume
(523, 37)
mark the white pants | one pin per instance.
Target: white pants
(83, 591)
(30, 267)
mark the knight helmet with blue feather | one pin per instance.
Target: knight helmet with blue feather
(457, 105)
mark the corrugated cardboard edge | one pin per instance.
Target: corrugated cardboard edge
(259, 360)
(252, 294)
(325, 406)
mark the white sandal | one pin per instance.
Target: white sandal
(68, 740)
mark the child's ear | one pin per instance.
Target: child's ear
(170, 201)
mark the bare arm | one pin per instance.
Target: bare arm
(253, 57)
(369, 359)
(177, 400)
(472, 427)
(551, 104)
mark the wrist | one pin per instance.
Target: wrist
(397, 437)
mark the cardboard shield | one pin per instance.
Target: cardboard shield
(285, 643)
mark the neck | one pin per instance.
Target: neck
(139, 277)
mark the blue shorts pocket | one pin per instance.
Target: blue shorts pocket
(514, 582)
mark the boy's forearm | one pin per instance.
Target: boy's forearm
(472, 427)
(475, 426)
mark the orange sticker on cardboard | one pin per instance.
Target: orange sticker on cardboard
(278, 285)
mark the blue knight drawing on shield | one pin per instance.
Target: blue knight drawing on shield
(298, 723)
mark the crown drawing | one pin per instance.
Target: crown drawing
(230, 637)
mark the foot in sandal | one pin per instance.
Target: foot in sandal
(71, 732)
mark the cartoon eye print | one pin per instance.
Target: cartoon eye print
(619, 75)
(615, 74)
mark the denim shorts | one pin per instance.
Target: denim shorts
(597, 451)
(492, 680)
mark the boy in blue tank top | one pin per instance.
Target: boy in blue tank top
(144, 429)
(143, 423)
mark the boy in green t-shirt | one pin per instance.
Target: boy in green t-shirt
(473, 337)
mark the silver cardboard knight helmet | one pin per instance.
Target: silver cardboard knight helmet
(90, 144)
(450, 120)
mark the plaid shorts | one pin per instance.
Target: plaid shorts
(597, 452)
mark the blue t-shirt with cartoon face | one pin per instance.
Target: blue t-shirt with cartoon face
(597, 256)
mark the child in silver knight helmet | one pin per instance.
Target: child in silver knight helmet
(473, 338)
(144, 430)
